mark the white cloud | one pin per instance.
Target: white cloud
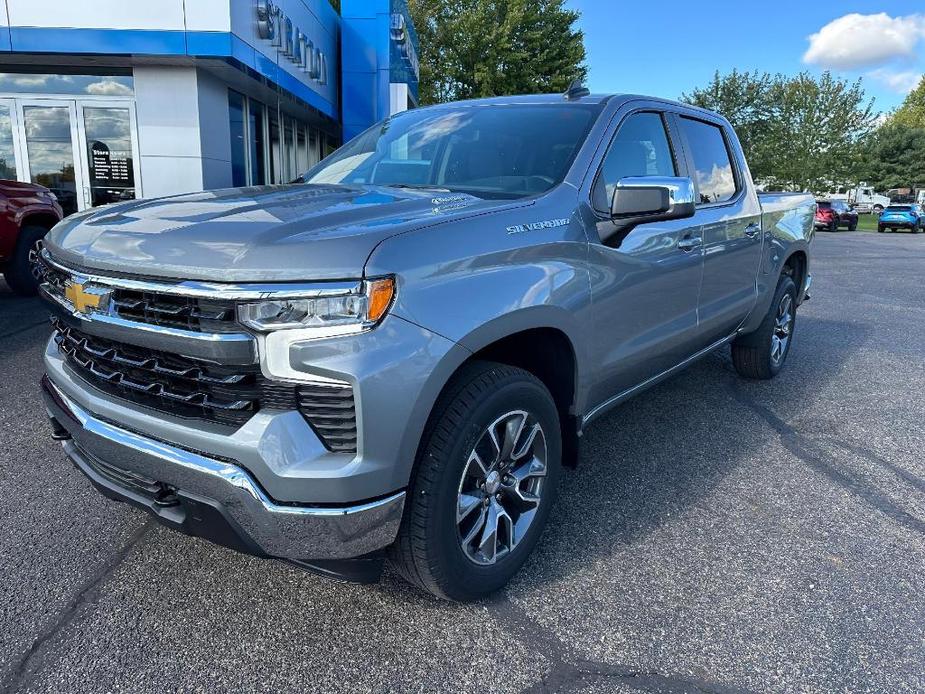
(108, 88)
(865, 40)
(899, 81)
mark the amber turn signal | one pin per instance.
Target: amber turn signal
(380, 293)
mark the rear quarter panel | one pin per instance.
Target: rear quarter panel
(787, 221)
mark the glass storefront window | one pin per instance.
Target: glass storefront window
(276, 151)
(238, 150)
(268, 146)
(302, 151)
(292, 169)
(255, 113)
(109, 154)
(90, 85)
(7, 153)
(51, 154)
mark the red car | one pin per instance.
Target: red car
(27, 212)
(831, 214)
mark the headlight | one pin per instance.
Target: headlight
(326, 310)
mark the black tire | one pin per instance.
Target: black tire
(19, 271)
(880, 228)
(752, 354)
(833, 226)
(853, 226)
(428, 551)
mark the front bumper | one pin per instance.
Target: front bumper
(220, 500)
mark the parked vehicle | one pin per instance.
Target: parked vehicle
(895, 217)
(397, 356)
(27, 212)
(861, 194)
(832, 214)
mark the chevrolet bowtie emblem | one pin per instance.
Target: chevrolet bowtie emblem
(86, 299)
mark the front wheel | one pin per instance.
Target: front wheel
(484, 483)
(880, 228)
(21, 273)
(853, 226)
(761, 354)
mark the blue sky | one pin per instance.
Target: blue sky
(666, 47)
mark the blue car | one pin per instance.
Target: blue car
(895, 217)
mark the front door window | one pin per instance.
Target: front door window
(50, 149)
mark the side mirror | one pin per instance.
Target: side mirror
(643, 199)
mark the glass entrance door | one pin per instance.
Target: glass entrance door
(83, 150)
(49, 138)
(108, 145)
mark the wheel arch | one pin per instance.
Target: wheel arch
(541, 347)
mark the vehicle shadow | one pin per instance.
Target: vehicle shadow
(656, 455)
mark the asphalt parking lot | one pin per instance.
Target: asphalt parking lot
(718, 536)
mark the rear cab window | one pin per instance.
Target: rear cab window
(714, 174)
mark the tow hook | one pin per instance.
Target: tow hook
(58, 432)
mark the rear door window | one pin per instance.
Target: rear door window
(714, 174)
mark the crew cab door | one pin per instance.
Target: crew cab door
(645, 279)
(728, 221)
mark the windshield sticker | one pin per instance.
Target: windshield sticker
(537, 226)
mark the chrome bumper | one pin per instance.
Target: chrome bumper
(181, 488)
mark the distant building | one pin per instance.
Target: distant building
(105, 100)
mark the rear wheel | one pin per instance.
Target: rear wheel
(484, 483)
(761, 354)
(833, 226)
(853, 226)
(21, 273)
(880, 228)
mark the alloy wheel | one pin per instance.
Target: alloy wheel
(783, 327)
(501, 486)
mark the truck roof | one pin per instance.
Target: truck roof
(594, 99)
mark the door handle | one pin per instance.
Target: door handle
(752, 230)
(689, 243)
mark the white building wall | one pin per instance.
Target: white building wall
(167, 109)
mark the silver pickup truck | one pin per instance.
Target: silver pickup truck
(394, 357)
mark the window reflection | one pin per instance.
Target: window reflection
(51, 155)
(7, 155)
(713, 167)
(94, 85)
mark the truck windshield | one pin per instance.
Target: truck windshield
(503, 151)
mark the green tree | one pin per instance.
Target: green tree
(799, 133)
(743, 98)
(478, 48)
(912, 111)
(895, 157)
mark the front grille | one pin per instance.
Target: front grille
(158, 308)
(167, 310)
(330, 411)
(170, 383)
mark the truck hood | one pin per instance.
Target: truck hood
(261, 234)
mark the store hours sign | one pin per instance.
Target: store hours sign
(110, 167)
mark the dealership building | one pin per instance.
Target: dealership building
(105, 100)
